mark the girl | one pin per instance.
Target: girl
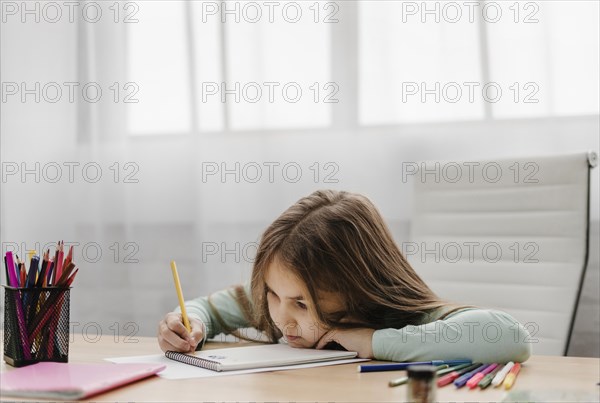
(327, 270)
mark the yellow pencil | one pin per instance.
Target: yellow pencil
(186, 321)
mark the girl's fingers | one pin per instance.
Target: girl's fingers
(326, 338)
(175, 341)
(197, 332)
(175, 324)
(173, 335)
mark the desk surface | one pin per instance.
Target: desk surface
(340, 383)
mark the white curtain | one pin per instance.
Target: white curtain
(188, 177)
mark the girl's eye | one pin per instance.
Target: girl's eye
(300, 305)
(272, 293)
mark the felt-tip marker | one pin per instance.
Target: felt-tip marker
(448, 378)
(404, 365)
(512, 375)
(463, 379)
(499, 378)
(472, 383)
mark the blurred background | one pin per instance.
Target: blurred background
(145, 131)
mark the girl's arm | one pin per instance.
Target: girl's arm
(223, 314)
(478, 334)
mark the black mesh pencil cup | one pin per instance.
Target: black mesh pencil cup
(36, 325)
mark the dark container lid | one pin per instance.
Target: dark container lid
(424, 372)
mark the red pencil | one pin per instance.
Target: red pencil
(72, 277)
(55, 266)
(69, 257)
(58, 262)
(22, 273)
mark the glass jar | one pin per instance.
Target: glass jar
(421, 383)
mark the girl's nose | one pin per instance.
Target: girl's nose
(292, 329)
(286, 320)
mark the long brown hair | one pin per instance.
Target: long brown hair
(337, 241)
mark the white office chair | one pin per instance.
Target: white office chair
(509, 234)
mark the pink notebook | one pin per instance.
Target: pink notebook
(57, 380)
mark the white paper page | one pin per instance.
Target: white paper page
(179, 370)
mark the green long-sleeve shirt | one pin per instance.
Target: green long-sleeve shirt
(482, 335)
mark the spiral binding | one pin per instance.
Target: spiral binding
(192, 360)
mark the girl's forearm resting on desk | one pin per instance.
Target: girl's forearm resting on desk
(476, 334)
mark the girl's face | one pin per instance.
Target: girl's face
(290, 307)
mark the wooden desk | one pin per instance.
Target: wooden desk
(339, 383)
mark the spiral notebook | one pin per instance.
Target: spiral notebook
(270, 355)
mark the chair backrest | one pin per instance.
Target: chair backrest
(508, 234)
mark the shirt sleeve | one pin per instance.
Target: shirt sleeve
(224, 305)
(480, 335)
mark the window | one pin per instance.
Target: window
(196, 73)
(157, 63)
(208, 66)
(552, 62)
(423, 62)
(407, 66)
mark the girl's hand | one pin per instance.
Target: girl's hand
(359, 340)
(172, 334)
